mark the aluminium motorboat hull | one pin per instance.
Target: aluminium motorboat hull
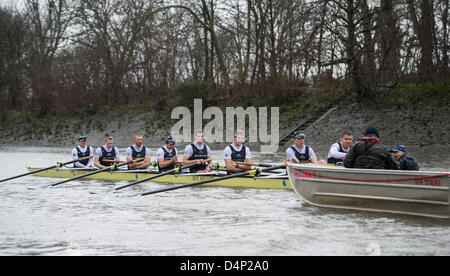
(421, 193)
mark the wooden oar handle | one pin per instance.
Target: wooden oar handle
(86, 157)
(120, 161)
(255, 164)
(113, 161)
(180, 163)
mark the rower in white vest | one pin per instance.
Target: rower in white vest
(106, 155)
(236, 154)
(81, 151)
(167, 155)
(300, 153)
(200, 153)
(339, 150)
(138, 150)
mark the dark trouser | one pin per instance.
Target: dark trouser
(333, 160)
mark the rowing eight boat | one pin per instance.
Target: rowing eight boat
(265, 181)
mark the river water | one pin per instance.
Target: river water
(68, 220)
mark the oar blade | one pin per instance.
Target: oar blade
(58, 165)
(109, 191)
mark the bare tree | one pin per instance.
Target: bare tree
(424, 30)
(49, 22)
(13, 39)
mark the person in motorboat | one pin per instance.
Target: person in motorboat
(138, 150)
(81, 151)
(404, 160)
(370, 153)
(339, 150)
(236, 154)
(167, 155)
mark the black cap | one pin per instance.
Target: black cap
(372, 130)
(82, 138)
(299, 135)
(170, 140)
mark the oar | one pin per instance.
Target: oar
(114, 161)
(58, 165)
(252, 172)
(113, 167)
(176, 170)
(262, 165)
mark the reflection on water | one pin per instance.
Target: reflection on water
(68, 220)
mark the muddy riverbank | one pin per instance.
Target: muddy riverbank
(409, 118)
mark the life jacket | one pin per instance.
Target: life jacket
(167, 156)
(198, 154)
(237, 156)
(107, 155)
(83, 154)
(137, 154)
(333, 160)
(301, 156)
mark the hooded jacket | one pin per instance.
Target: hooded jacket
(370, 153)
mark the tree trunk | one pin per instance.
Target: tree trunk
(388, 41)
(353, 60)
(424, 30)
(369, 67)
(445, 50)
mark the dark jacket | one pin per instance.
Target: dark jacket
(369, 153)
(407, 163)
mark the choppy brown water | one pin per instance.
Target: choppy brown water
(67, 220)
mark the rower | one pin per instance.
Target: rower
(339, 150)
(198, 152)
(138, 150)
(237, 152)
(81, 151)
(167, 155)
(106, 152)
(300, 153)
